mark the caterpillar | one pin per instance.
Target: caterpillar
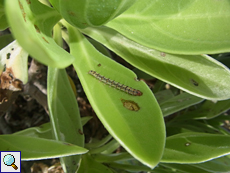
(116, 85)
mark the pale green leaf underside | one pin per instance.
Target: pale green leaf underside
(180, 27)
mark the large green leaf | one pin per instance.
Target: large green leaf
(199, 75)
(64, 114)
(31, 24)
(178, 26)
(195, 147)
(36, 148)
(90, 12)
(142, 132)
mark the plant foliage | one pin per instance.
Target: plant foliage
(173, 41)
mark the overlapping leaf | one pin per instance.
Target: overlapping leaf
(36, 148)
(31, 23)
(140, 132)
(64, 114)
(195, 147)
(90, 12)
(180, 27)
(199, 75)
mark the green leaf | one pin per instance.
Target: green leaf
(130, 168)
(163, 95)
(220, 122)
(90, 166)
(224, 58)
(90, 12)
(185, 168)
(3, 20)
(43, 131)
(111, 147)
(95, 143)
(64, 114)
(37, 148)
(208, 110)
(195, 147)
(198, 75)
(221, 164)
(142, 132)
(178, 103)
(84, 120)
(175, 127)
(159, 86)
(108, 148)
(31, 23)
(100, 47)
(161, 169)
(115, 157)
(142, 75)
(5, 40)
(180, 27)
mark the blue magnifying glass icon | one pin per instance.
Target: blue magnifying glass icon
(9, 161)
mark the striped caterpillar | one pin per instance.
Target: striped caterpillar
(116, 85)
